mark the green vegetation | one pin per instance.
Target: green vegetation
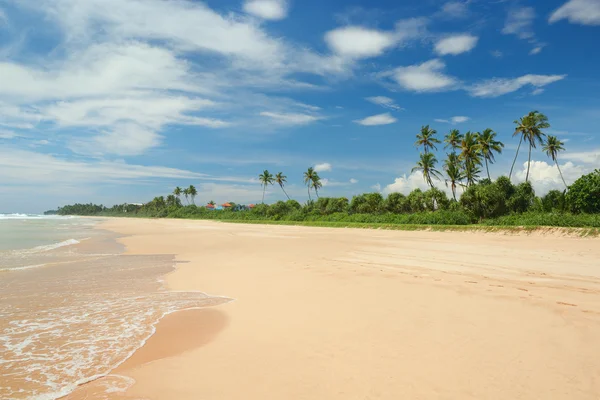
(484, 204)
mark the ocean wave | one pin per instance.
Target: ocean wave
(48, 247)
(32, 216)
(21, 268)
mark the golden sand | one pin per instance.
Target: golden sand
(366, 314)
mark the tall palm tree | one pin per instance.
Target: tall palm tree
(309, 179)
(454, 172)
(426, 165)
(193, 193)
(471, 157)
(316, 183)
(552, 147)
(177, 192)
(281, 179)
(265, 179)
(453, 139)
(427, 139)
(529, 128)
(186, 193)
(488, 145)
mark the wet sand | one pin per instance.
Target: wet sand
(366, 314)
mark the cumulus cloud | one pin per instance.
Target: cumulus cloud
(290, 118)
(459, 119)
(589, 157)
(406, 184)
(584, 12)
(380, 119)
(358, 42)
(455, 10)
(519, 22)
(545, 177)
(501, 86)
(426, 77)
(267, 9)
(353, 181)
(323, 167)
(384, 102)
(536, 50)
(456, 44)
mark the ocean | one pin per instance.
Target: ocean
(73, 306)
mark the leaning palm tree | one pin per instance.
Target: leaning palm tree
(426, 165)
(488, 145)
(529, 128)
(454, 172)
(177, 192)
(193, 193)
(453, 139)
(265, 179)
(552, 147)
(186, 193)
(309, 178)
(316, 183)
(427, 139)
(281, 179)
(470, 155)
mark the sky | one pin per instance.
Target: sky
(112, 101)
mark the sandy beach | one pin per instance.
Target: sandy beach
(366, 314)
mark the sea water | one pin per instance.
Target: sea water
(73, 306)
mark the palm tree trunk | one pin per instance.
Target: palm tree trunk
(309, 199)
(560, 172)
(286, 195)
(528, 164)
(515, 160)
(264, 189)
(487, 168)
(454, 190)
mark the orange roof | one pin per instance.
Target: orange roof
(251, 206)
(210, 206)
(227, 205)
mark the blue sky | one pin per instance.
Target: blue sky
(121, 100)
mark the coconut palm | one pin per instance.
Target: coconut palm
(427, 139)
(309, 176)
(488, 145)
(426, 165)
(265, 179)
(453, 139)
(193, 193)
(177, 192)
(552, 147)
(186, 193)
(529, 128)
(281, 179)
(316, 183)
(454, 172)
(471, 157)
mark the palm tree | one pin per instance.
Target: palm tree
(427, 138)
(488, 145)
(177, 192)
(186, 193)
(530, 128)
(171, 200)
(309, 179)
(316, 183)
(454, 172)
(281, 179)
(453, 139)
(192, 192)
(471, 157)
(265, 179)
(552, 147)
(426, 164)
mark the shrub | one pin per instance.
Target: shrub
(397, 203)
(584, 194)
(554, 200)
(416, 201)
(368, 203)
(522, 198)
(484, 201)
(435, 199)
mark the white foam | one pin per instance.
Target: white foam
(22, 268)
(68, 242)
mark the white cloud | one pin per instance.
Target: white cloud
(290, 118)
(407, 183)
(455, 9)
(356, 42)
(380, 119)
(500, 86)
(459, 119)
(384, 102)
(585, 12)
(537, 91)
(353, 181)
(267, 9)
(456, 44)
(588, 157)
(6, 134)
(426, 77)
(519, 22)
(536, 50)
(545, 177)
(497, 54)
(3, 18)
(323, 167)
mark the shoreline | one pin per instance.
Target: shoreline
(315, 307)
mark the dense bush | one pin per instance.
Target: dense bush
(584, 194)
